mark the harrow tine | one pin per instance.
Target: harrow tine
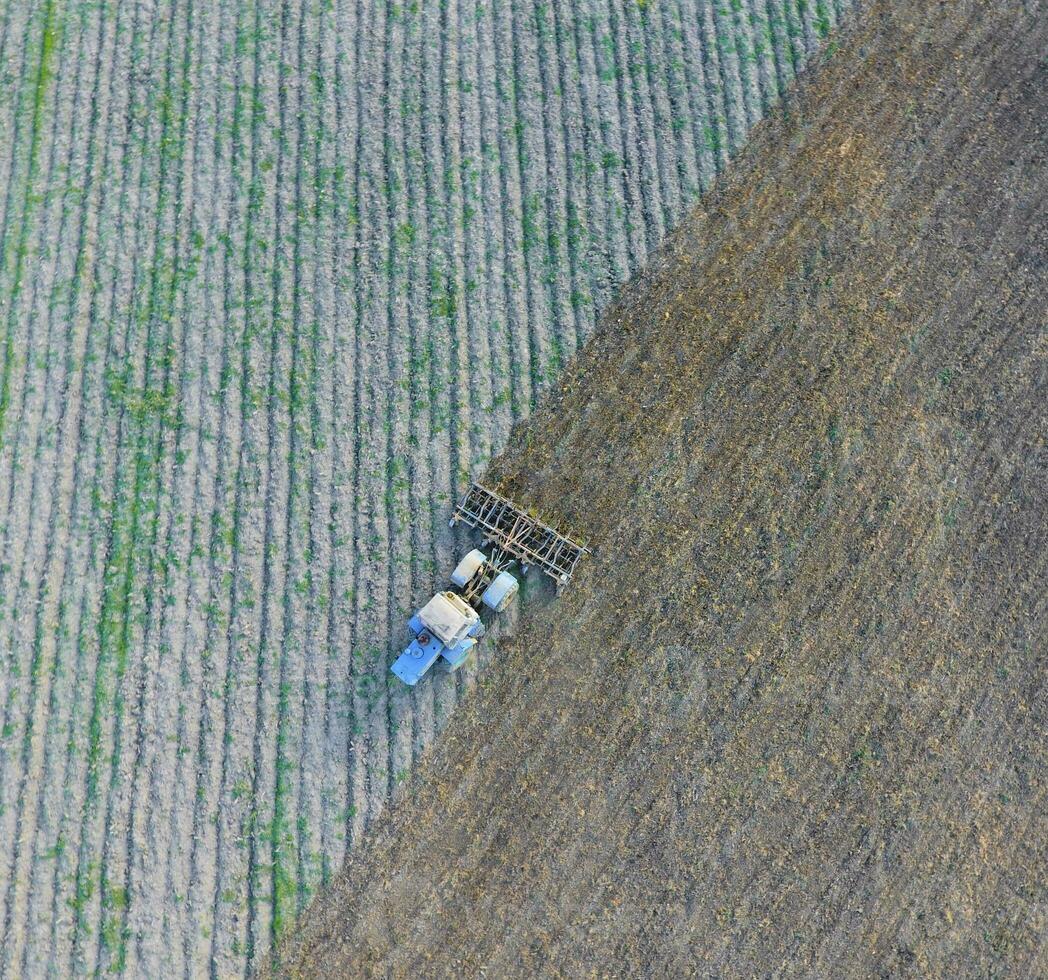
(518, 533)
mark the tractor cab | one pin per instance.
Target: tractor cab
(449, 617)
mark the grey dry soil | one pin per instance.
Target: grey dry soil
(790, 718)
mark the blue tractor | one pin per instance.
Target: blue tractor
(448, 627)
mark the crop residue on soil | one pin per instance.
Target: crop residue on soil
(790, 718)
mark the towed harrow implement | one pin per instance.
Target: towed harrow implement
(448, 627)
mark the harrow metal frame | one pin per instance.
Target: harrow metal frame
(518, 534)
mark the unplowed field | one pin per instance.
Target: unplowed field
(275, 277)
(790, 718)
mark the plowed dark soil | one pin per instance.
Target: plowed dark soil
(790, 718)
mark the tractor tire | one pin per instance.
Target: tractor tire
(467, 568)
(501, 592)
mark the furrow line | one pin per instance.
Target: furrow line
(622, 190)
(654, 89)
(19, 359)
(51, 598)
(198, 620)
(373, 559)
(314, 796)
(277, 334)
(157, 414)
(218, 868)
(15, 149)
(779, 23)
(33, 388)
(735, 108)
(80, 589)
(464, 151)
(767, 53)
(639, 190)
(148, 407)
(288, 836)
(806, 17)
(341, 819)
(794, 33)
(578, 238)
(443, 296)
(388, 474)
(665, 100)
(777, 38)
(700, 93)
(442, 320)
(359, 425)
(749, 68)
(537, 225)
(685, 119)
(358, 812)
(472, 378)
(164, 395)
(131, 850)
(771, 35)
(104, 633)
(511, 168)
(13, 50)
(396, 478)
(472, 241)
(159, 788)
(424, 440)
(453, 227)
(450, 481)
(501, 279)
(561, 273)
(24, 532)
(720, 133)
(28, 451)
(323, 787)
(4, 30)
(442, 303)
(606, 252)
(534, 220)
(51, 31)
(89, 582)
(644, 114)
(37, 508)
